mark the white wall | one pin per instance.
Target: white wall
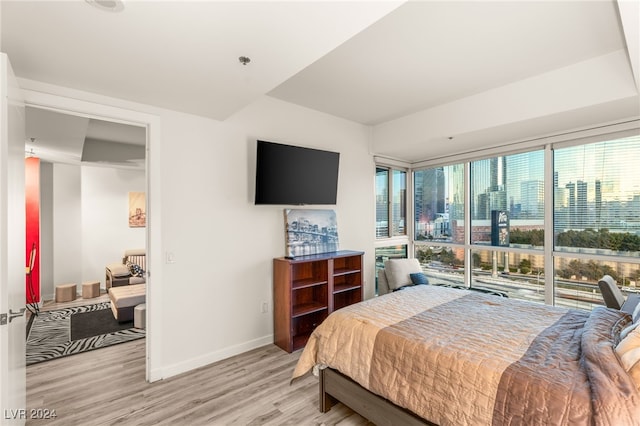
(67, 229)
(46, 231)
(206, 305)
(105, 225)
(84, 223)
(223, 244)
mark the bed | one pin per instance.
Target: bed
(437, 355)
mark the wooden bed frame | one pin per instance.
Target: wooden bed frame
(335, 386)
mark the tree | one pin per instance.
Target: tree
(424, 255)
(590, 238)
(525, 266)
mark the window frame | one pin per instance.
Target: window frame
(547, 144)
(390, 239)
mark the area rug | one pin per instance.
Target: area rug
(63, 332)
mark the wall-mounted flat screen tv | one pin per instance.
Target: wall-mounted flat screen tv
(287, 174)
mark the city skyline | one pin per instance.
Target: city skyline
(594, 186)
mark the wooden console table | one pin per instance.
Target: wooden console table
(306, 289)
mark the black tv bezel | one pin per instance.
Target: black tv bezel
(259, 199)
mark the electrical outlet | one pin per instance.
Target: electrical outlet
(264, 307)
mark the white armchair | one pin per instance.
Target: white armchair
(396, 274)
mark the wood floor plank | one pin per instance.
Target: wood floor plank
(107, 387)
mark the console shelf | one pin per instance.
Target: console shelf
(307, 282)
(307, 308)
(345, 287)
(308, 288)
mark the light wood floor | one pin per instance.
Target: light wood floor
(107, 387)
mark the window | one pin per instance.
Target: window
(382, 202)
(596, 214)
(444, 265)
(597, 198)
(590, 194)
(575, 282)
(391, 216)
(391, 202)
(519, 275)
(399, 203)
(439, 204)
(438, 195)
(512, 184)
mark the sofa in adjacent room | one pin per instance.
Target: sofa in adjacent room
(131, 270)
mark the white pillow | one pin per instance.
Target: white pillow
(629, 352)
(628, 329)
(398, 270)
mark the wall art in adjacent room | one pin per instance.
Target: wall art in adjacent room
(137, 210)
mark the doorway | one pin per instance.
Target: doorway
(151, 125)
(82, 175)
(90, 166)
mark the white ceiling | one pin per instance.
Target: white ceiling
(428, 53)
(392, 65)
(57, 137)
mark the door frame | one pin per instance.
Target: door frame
(101, 109)
(12, 248)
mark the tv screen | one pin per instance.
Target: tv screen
(287, 174)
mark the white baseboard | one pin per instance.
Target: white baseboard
(201, 361)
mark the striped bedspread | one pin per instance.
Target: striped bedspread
(457, 357)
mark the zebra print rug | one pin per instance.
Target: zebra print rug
(50, 335)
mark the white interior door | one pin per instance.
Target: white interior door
(12, 249)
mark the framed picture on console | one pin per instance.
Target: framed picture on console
(310, 231)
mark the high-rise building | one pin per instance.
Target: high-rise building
(431, 186)
(382, 203)
(498, 170)
(581, 205)
(489, 189)
(497, 201)
(532, 199)
(571, 213)
(455, 191)
(430, 197)
(561, 209)
(598, 202)
(399, 211)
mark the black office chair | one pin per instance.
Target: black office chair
(611, 294)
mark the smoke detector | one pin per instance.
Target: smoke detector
(107, 5)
